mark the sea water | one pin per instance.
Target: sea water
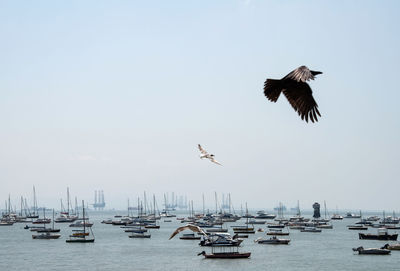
(114, 250)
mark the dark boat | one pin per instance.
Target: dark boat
(139, 235)
(46, 235)
(382, 235)
(371, 251)
(225, 253)
(189, 236)
(357, 228)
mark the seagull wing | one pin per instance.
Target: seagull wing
(203, 151)
(215, 161)
(193, 228)
(301, 74)
(299, 95)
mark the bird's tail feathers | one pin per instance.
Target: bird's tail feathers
(272, 89)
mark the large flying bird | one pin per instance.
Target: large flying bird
(191, 227)
(296, 90)
(205, 154)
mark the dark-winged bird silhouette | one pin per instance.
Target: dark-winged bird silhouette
(296, 90)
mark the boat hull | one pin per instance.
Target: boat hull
(229, 255)
(386, 237)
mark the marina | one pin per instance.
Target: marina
(113, 240)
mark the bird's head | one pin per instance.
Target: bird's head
(212, 155)
(315, 72)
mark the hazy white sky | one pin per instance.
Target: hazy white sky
(116, 95)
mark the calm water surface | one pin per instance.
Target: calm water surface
(113, 250)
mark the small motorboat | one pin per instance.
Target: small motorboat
(310, 229)
(6, 223)
(46, 235)
(371, 251)
(136, 230)
(272, 241)
(277, 232)
(392, 246)
(189, 236)
(139, 235)
(357, 227)
(152, 226)
(225, 255)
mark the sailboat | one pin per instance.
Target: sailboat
(52, 229)
(34, 214)
(139, 232)
(82, 236)
(47, 233)
(244, 229)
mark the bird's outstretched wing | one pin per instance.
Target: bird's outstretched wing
(272, 89)
(301, 74)
(300, 97)
(215, 161)
(191, 227)
(203, 151)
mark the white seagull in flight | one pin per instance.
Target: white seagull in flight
(205, 154)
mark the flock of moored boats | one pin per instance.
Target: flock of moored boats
(211, 228)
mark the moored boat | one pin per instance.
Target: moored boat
(382, 235)
(372, 251)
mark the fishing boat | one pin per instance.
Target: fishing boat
(371, 251)
(83, 236)
(272, 241)
(225, 252)
(382, 235)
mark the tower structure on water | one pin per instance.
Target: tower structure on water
(99, 202)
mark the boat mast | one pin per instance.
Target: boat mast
(154, 206)
(229, 195)
(68, 201)
(203, 205)
(34, 201)
(145, 203)
(84, 221)
(216, 203)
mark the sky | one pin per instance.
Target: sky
(116, 95)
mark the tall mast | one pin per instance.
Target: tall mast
(84, 221)
(154, 205)
(34, 201)
(216, 203)
(145, 202)
(230, 203)
(68, 201)
(76, 206)
(203, 205)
